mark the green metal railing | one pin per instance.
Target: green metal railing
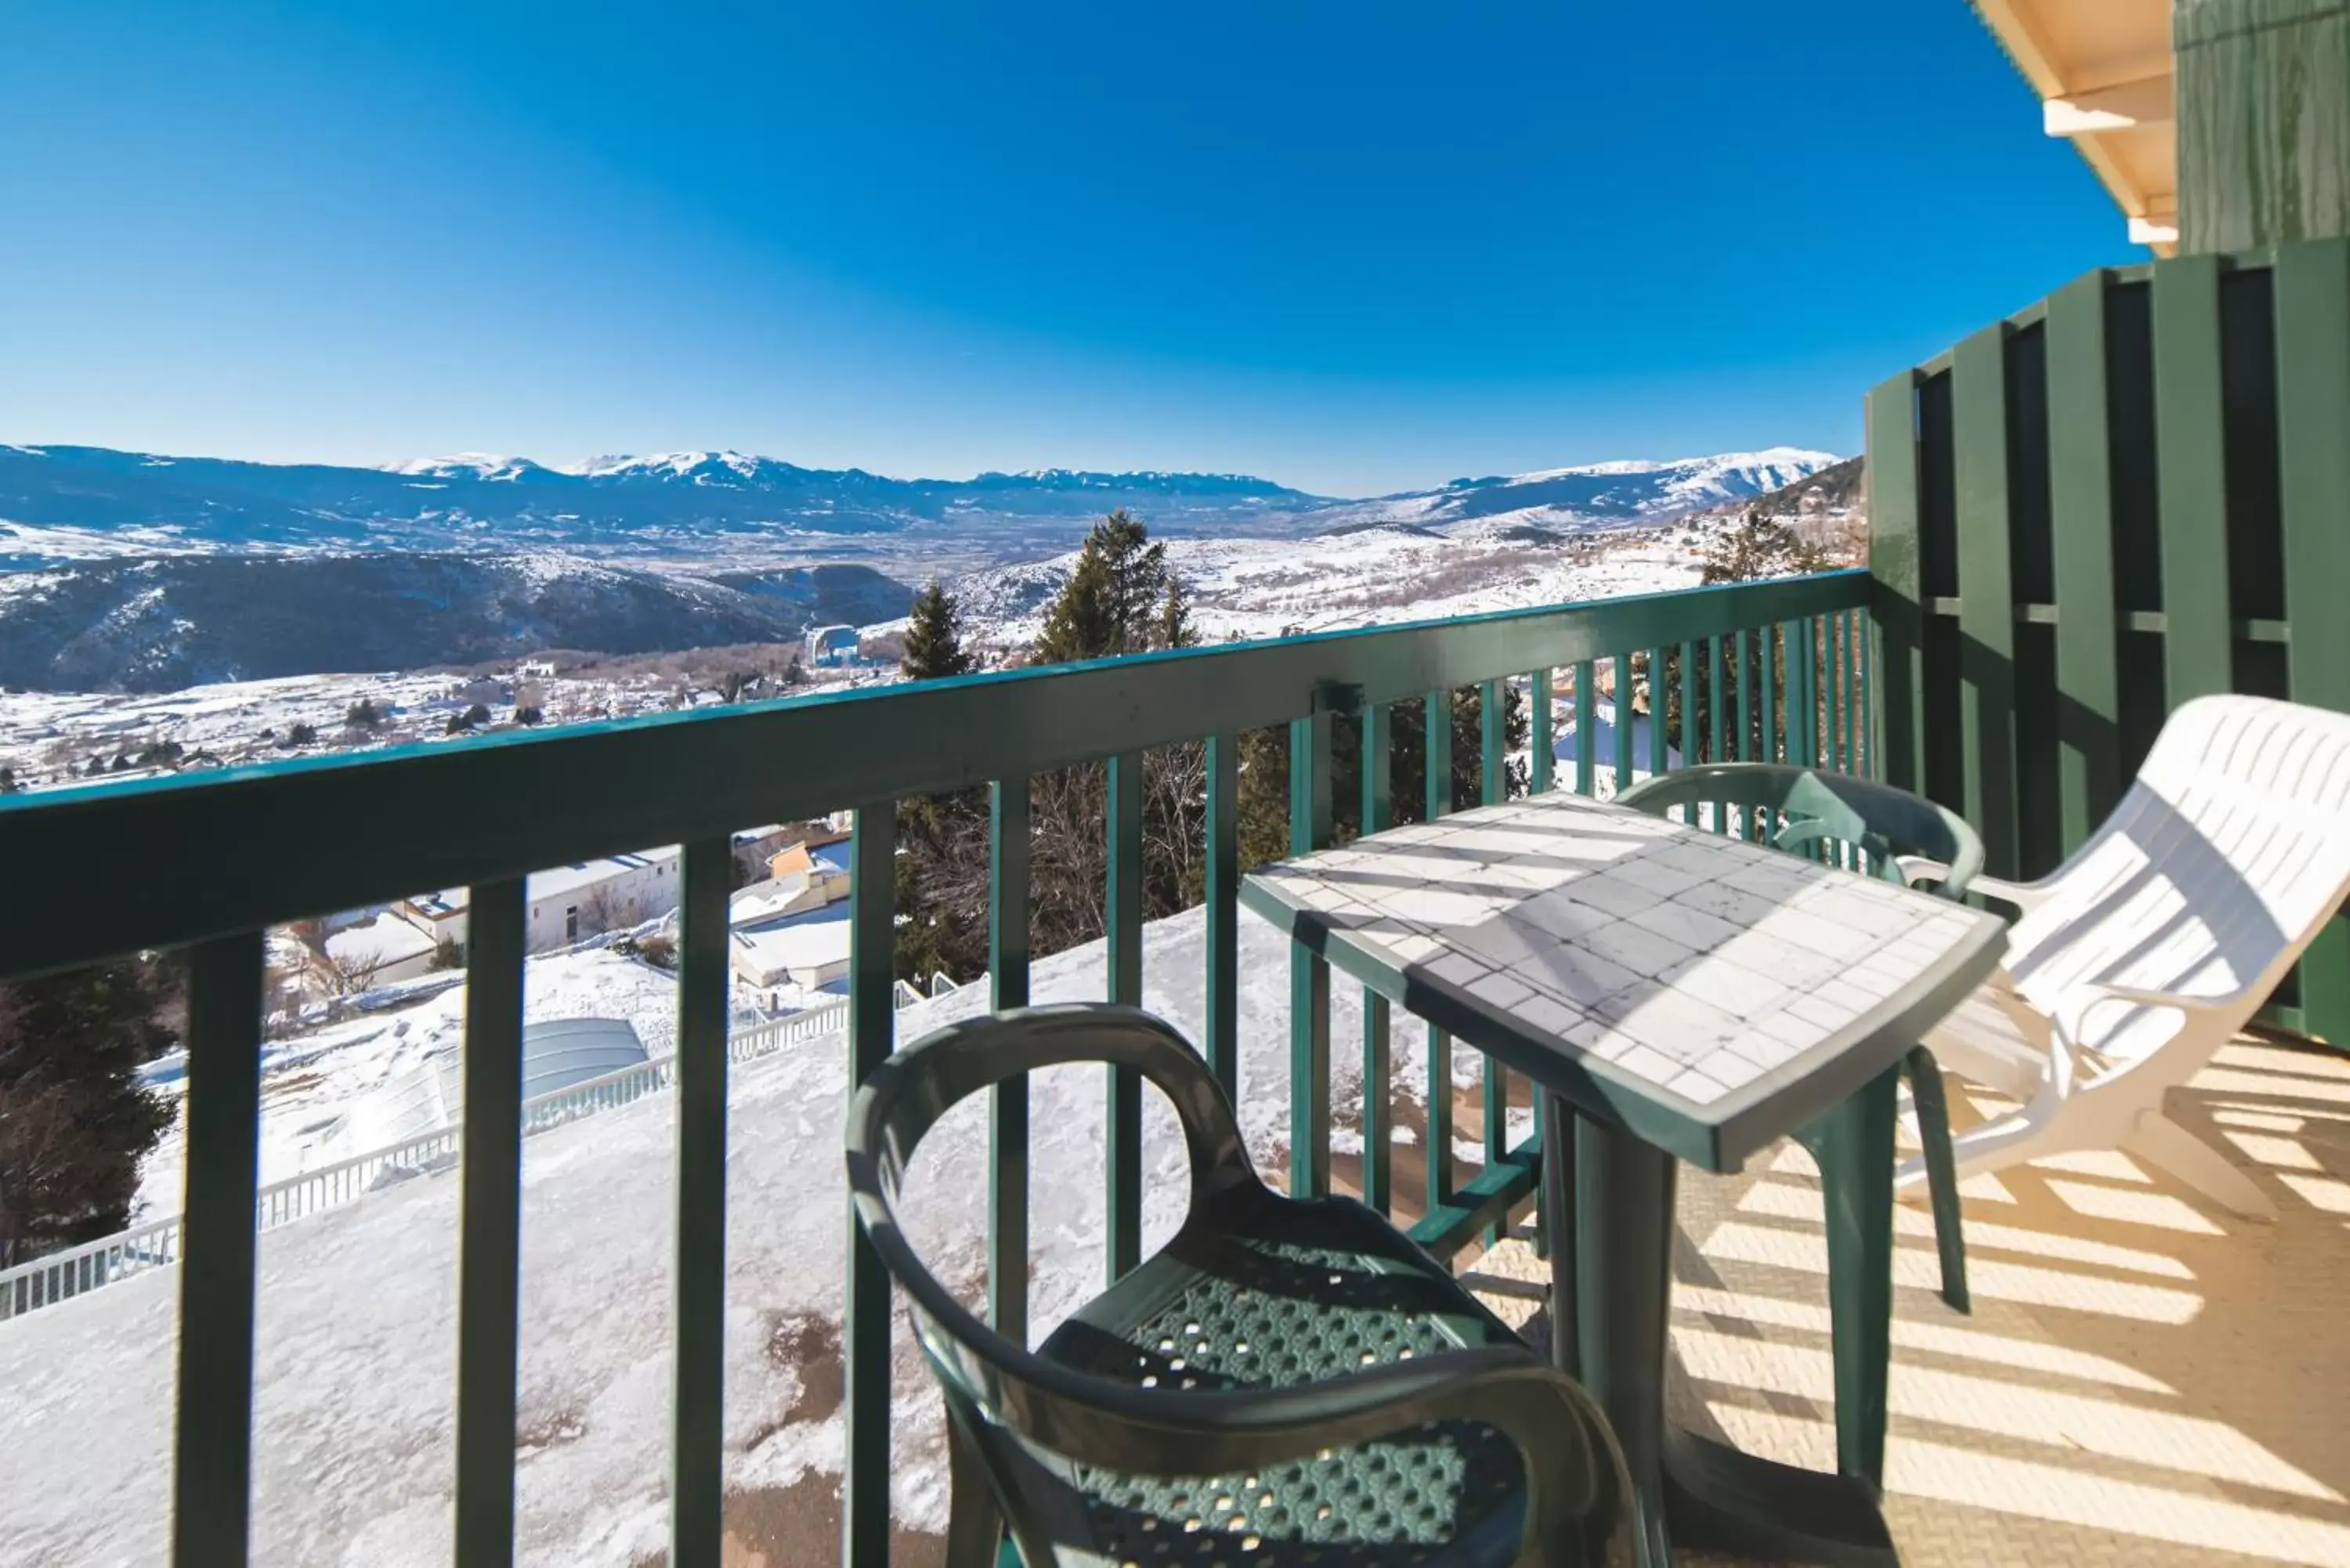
(2129, 495)
(222, 857)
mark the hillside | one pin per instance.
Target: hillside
(164, 623)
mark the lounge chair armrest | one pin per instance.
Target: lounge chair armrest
(2024, 896)
(2068, 1023)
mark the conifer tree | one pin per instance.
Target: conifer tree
(75, 1118)
(934, 648)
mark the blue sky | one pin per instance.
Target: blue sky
(1353, 248)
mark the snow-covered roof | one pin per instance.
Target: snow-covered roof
(378, 942)
(798, 945)
(791, 894)
(556, 881)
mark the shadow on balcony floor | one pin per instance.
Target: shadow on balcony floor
(2144, 1380)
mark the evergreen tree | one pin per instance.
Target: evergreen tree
(1110, 605)
(1175, 628)
(934, 648)
(75, 1117)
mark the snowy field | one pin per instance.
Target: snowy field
(318, 1086)
(356, 1328)
(1374, 576)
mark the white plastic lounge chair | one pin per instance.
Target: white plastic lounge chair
(2146, 951)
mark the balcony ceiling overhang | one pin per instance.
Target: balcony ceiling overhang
(2103, 70)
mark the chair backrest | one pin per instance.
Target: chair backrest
(2223, 860)
(1817, 805)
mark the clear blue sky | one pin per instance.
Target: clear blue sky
(1355, 248)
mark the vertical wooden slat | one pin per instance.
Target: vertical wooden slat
(1378, 753)
(1623, 723)
(2313, 317)
(2080, 523)
(1436, 734)
(1224, 913)
(1758, 822)
(1979, 415)
(2198, 650)
(697, 1486)
(1716, 708)
(1896, 570)
(1122, 918)
(872, 1022)
(489, 1236)
(1864, 736)
(212, 1475)
(1009, 847)
(1309, 973)
(1544, 733)
(1586, 703)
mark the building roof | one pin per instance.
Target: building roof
(378, 942)
(554, 882)
(2103, 70)
(798, 945)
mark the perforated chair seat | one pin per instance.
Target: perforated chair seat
(1283, 1294)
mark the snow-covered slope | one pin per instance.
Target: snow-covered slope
(357, 1327)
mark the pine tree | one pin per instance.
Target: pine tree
(934, 648)
(75, 1118)
(1175, 628)
(1110, 604)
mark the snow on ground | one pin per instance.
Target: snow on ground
(314, 1093)
(1373, 574)
(357, 1330)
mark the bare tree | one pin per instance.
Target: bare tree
(350, 974)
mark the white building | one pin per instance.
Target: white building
(567, 904)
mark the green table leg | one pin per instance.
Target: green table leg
(1618, 1273)
(1754, 1506)
(1856, 1157)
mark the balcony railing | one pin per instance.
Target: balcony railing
(1772, 670)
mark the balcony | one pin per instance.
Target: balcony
(707, 1368)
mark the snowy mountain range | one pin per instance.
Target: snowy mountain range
(64, 503)
(130, 571)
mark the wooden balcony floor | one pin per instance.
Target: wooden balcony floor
(2145, 1379)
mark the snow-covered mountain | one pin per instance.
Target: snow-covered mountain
(1593, 494)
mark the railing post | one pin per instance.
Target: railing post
(490, 1233)
(697, 1485)
(1586, 696)
(1436, 750)
(1122, 918)
(1378, 753)
(212, 1479)
(1223, 883)
(1543, 732)
(872, 1025)
(1623, 723)
(1309, 973)
(1007, 1105)
(1493, 783)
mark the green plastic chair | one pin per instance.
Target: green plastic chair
(1287, 1383)
(1804, 810)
